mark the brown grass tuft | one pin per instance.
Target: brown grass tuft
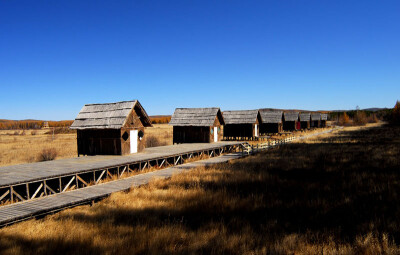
(47, 154)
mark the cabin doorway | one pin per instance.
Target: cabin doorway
(215, 134)
(134, 141)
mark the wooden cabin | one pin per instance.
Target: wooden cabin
(111, 129)
(241, 125)
(271, 121)
(291, 121)
(305, 120)
(324, 119)
(315, 119)
(197, 125)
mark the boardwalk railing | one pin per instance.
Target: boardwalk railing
(27, 190)
(247, 149)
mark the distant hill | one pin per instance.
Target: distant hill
(374, 109)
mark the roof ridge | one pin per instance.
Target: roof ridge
(129, 101)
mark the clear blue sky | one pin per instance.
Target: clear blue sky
(56, 56)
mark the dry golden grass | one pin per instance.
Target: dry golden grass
(335, 196)
(160, 134)
(18, 149)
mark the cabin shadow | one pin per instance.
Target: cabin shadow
(336, 189)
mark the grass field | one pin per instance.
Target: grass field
(338, 194)
(19, 146)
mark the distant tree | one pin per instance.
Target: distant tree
(396, 114)
(360, 118)
(346, 118)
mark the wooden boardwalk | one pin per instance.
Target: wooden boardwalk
(11, 175)
(12, 213)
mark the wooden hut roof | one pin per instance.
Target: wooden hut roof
(240, 117)
(305, 116)
(195, 117)
(315, 116)
(109, 115)
(324, 116)
(271, 116)
(291, 116)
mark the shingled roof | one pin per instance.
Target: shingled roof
(195, 117)
(271, 116)
(305, 116)
(240, 117)
(291, 116)
(108, 116)
(324, 116)
(315, 116)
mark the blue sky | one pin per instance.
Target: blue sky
(56, 56)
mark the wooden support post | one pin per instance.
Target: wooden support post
(27, 192)
(45, 187)
(11, 194)
(60, 185)
(144, 166)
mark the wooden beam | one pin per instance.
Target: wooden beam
(101, 175)
(52, 191)
(37, 191)
(108, 173)
(4, 195)
(27, 192)
(45, 190)
(162, 163)
(79, 178)
(123, 171)
(176, 162)
(69, 183)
